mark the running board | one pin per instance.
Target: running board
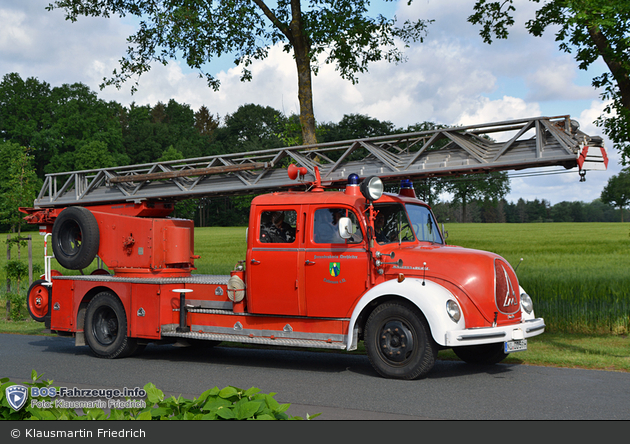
(308, 343)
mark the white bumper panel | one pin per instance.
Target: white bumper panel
(487, 335)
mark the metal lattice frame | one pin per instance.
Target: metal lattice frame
(508, 145)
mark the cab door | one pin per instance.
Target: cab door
(335, 269)
(272, 262)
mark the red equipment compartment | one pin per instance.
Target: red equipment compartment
(62, 312)
(137, 245)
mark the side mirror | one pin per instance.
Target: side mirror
(346, 230)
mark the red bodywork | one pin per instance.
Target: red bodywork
(304, 287)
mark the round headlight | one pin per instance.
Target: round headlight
(372, 188)
(453, 310)
(526, 303)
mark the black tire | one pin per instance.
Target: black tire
(398, 342)
(105, 328)
(38, 300)
(75, 237)
(486, 354)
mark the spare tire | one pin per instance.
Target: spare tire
(75, 238)
(38, 300)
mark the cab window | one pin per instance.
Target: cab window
(278, 227)
(326, 226)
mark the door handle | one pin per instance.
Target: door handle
(254, 262)
(309, 262)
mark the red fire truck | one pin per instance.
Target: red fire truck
(328, 264)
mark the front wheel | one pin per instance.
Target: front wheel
(398, 342)
(106, 327)
(485, 354)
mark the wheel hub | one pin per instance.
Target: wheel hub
(395, 341)
(105, 326)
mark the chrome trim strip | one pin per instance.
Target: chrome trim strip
(192, 279)
(311, 250)
(269, 333)
(192, 304)
(540, 327)
(499, 334)
(259, 315)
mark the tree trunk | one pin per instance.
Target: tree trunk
(617, 69)
(301, 48)
(305, 87)
(305, 95)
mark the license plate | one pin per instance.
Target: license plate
(515, 346)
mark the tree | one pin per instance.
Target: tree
(355, 126)
(25, 114)
(148, 131)
(250, 128)
(429, 189)
(492, 187)
(199, 30)
(591, 28)
(537, 210)
(206, 123)
(92, 155)
(561, 212)
(617, 191)
(55, 122)
(18, 184)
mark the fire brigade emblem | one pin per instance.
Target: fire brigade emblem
(16, 395)
(335, 269)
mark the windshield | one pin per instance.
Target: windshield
(424, 224)
(391, 224)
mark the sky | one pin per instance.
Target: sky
(451, 78)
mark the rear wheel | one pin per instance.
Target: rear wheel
(38, 300)
(105, 328)
(398, 342)
(481, 354)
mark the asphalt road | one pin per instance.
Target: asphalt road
(340, 386)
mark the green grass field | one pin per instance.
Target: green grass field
(578, 274)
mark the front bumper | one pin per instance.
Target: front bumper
(488, 335)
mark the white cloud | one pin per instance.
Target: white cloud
(506, 108)
(553, 81)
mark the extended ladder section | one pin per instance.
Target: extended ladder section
(508, 145)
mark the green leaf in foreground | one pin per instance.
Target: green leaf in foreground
(229, 403)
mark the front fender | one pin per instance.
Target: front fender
(428, 296)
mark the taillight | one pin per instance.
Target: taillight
(506, 294)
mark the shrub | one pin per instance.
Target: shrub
(16, 302)
(214, 404)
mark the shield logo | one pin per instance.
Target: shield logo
(335, 269)
(16, 396)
